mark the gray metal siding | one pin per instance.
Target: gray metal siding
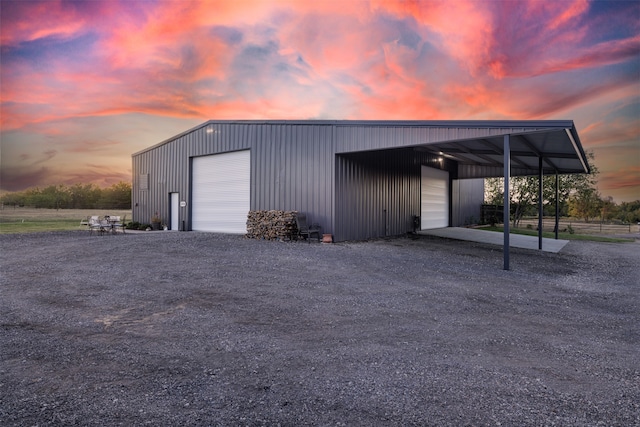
(476, 171)
(467, 196)
(378, 193)
(167, 168)
(351, 138)
(356, 179)
(292, 168)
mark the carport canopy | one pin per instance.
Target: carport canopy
(524, 148)
(556, 142)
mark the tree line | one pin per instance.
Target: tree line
(77, 196)
(578, 197)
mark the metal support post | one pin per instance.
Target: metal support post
(540, 207)
(557, 205)
(507, 210)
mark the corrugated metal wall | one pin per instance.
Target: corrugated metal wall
(467, 196)
(297, 165)
(378, 192)
(350, 138)
(292, 168)
(477, 171)
(167, 171)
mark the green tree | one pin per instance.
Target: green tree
(34, 197)
(53, 197)
(585, 204)
(78, 196)
(493, 191)
(118, 196)
(524, 191)
(84, 196)
(14, 199)
(629, 212)
(608, 209)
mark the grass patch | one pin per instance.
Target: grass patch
(31, 226)
(563, 236)
(31, 220)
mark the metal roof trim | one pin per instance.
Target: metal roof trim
(173, 138)
(578, 149)
(533, 125)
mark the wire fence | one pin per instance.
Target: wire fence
(581, 227)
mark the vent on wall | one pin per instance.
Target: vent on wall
(144, 182)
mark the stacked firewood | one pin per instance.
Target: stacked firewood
(271, 225)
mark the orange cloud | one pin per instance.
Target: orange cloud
(604, 53)
(572, 9)
(464, 28)
(612, 132)
(28, 21)
(622, 181)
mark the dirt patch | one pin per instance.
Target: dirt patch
(201, 329)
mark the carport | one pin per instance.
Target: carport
(545, 147)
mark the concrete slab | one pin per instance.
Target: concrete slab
(494, 238)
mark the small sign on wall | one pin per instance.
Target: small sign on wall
(183, 204)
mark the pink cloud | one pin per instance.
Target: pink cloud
(463, 28)
(561, 13)
(604, 53)
(627, 178)
(32, 20)
(612, 132)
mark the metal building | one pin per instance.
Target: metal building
(357, 179)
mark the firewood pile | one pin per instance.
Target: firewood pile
(271, 225)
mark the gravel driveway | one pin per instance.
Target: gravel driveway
(168, 328)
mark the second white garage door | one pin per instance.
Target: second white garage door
(435, 198)
(221, 186)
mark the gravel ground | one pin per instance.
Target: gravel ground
(170, 329)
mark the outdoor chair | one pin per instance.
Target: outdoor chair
(84, 222)
(94, 224)
(105, 223)
(116, 223)
(304, 230)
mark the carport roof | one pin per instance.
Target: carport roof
(479, 144)
(556, 142)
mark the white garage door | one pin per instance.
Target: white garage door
(434, 198)
(221, 192)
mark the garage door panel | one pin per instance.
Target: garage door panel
(221, 192)
(434, 210)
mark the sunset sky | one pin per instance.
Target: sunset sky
(84, 84)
